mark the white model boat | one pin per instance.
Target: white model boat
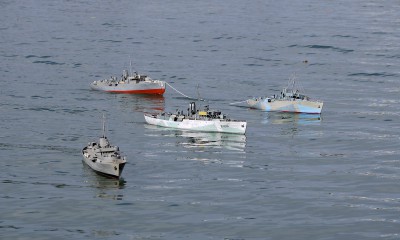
(291, 99)
(204, 120)
(104, 158)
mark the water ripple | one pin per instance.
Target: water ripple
(323, 47)
(49, 62)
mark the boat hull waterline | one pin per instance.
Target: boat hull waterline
(131, 88)
(214, 125)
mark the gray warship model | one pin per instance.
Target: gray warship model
(130, 84)
(291, 99)
(104, 158)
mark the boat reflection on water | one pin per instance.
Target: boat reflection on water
(292, 123)
(236, 142)
(295, 118)
(104, 187)
(218, 140)
(142, 102)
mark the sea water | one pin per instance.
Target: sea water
(292, 176)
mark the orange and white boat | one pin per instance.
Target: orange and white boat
(130, 84)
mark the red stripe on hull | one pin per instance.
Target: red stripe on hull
(143, 91)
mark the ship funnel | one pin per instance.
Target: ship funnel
(125, 74)
(104, 142)
(192, 108)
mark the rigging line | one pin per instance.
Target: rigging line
(182, 93)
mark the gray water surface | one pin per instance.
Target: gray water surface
(333, 176)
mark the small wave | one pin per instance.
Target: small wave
(265, 59)
(49, 62)
(39, 147)
(380, 33)
(124, 204)
(330, 47)
(73, 111)
(10, 56)
(40, 109)
(34, 56)
(253, 65)
(394, 56)
(344, 36)
(111, 41)
(12, 181)
(40, 97)
(16, 96)
(10, 226)
(111, 24)
(372, 74)
(316, 46)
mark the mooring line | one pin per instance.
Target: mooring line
(183, 93)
